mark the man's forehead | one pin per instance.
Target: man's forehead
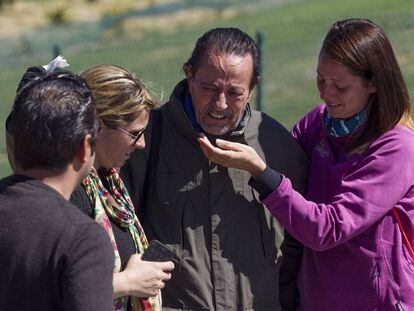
(217, 82)
(213, 57)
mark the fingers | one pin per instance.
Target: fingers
(166, 277)
(156, 288)
(205, 144)
(167, 266)
(163, 275)
(206, 147)
(230, 154)
(146, 278)
(162, 270)
(223, 144)
(228, 145)
(212, 153)
(158, 285)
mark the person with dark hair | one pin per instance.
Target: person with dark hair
(30, 74)
(52, 256)
(229, 248)
(122, 104)
(356, 220)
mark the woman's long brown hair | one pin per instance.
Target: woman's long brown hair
(362, 46)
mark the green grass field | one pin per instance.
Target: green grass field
(293, 34)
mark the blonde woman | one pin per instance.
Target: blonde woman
(123, 104)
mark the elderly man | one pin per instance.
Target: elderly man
(229, 245)
(52, 257)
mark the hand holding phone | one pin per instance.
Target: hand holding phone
(142, 278)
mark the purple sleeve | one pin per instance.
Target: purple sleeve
(366, 194)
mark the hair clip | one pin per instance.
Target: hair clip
(58, 62)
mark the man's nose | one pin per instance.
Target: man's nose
(221, 101)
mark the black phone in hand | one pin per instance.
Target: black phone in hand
(159, 252)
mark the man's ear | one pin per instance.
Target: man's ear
(84, 152)
(188, 73)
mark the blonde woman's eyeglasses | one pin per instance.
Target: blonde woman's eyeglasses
(135, 135)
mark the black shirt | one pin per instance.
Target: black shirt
(122, 235)
(52, 257)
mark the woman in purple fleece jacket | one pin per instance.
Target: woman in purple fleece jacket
(360, 196)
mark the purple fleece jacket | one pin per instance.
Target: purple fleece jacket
(354, 256)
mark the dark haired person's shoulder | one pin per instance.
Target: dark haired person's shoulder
(393, 147)
(392, 154)
(399, 139)
(74, 226)
(39, 199)
(35, 204)
(307, 129)
(9, 181)
(403, 132)
(21, 187)
(312, 118)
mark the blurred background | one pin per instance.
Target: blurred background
(155, 37)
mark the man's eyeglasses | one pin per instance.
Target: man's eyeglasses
(135, 135)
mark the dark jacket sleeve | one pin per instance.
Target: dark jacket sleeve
(88, 270)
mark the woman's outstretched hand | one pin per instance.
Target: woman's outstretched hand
(233, 155)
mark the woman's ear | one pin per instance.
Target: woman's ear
(371, 86)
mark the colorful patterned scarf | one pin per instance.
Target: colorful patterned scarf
(115, 203)
(343, 127)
